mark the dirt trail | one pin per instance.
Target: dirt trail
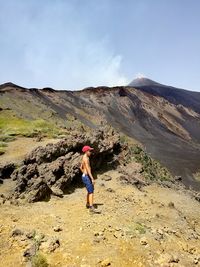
(135, 228)
(17, 149)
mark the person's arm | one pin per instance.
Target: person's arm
(81, 167)
(88, 168)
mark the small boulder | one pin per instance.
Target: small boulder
(57, 228)
(17, 232)
(56, 191)
(143, 241)
(30, 234)
(110, 190)
(40, 191)
(167, 258)
(6, 170)
(171, 204)
(178, 178)
(30, 251)
(196, 259)
(105, 263)
(107, 178)
(53, 244)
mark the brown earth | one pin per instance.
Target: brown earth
(19, 148)
(154, 227)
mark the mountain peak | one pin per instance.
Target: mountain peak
(10, 84)
(142, 81)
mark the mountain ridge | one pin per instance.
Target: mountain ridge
(137, 82)
(166, 124)
(172, 94)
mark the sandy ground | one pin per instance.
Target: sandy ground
(17, 149)
(135, 228)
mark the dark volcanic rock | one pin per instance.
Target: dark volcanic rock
(6, 170)
(17, 232)
(131, 175)
(39, 191)
(50, 169)
(125, 179)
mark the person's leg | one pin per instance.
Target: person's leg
(87, 201)
(90, 189)
(91, 199)
(91, 207)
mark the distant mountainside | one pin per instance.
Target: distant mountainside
(143, 82)
(174, 95)
(166, 120)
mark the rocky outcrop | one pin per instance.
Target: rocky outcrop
(50, 169)
(6, 170)
(131, 175)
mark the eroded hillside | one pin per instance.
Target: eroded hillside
(168, 128)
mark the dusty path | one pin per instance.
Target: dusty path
(135, 228)
(17, 149)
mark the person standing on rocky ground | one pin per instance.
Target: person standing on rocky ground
(88, 178)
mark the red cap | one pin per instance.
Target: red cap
(86, 148)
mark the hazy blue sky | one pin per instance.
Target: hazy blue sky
(72, 44)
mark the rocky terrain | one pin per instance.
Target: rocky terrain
(50, 169)
(146, 168)
(146, 216)
(153, 226)
(162, 118)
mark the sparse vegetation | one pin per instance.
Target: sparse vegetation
(11, 126)
(3, 144)
(151, 168)
(5, 137)
(136, 227)
(140, 228)
(39, 260)
(125, 139)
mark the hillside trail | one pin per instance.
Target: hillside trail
(154, 226)
(18, 148)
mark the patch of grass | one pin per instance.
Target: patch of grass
(6, 137)
(140, 228)
(137, 227)
(125, 139)
(25, 116)
(39, 260)
(11, 125)
(3, 144)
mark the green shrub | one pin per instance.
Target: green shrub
(39, 260)
(123, 139)
(3, 144)
(6, 138)
(11, 126)
(140, 228)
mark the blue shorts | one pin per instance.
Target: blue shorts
(88, 183)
